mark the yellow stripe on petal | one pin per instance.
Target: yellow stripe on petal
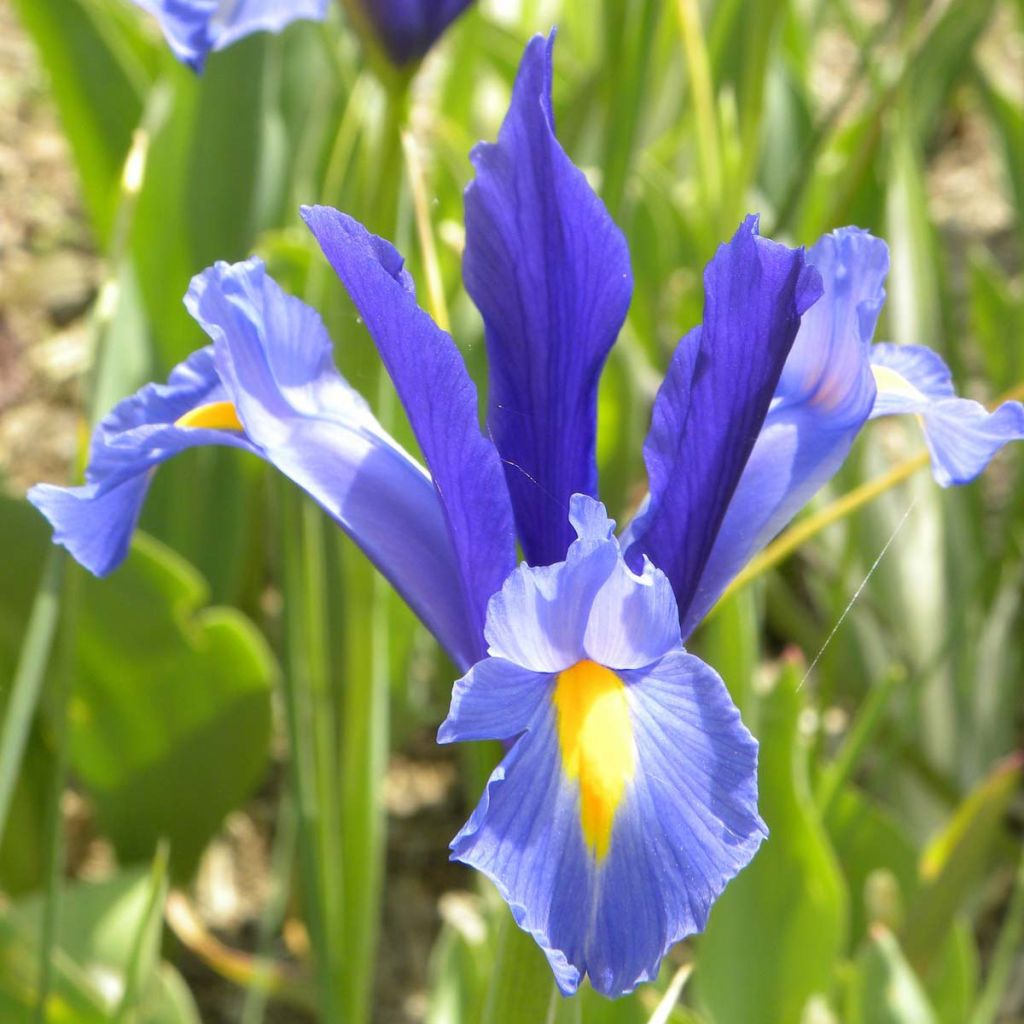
(889, 382)
(596, 740)
(212, 416)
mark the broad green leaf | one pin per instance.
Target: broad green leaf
(956, 860)
(170, 715)
(74, 999)
(885, 989)
(110, 933)
(775, 935)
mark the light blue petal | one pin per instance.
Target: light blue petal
(274, 355)
(495, 700)
(687, 824)
(539, 617)
(95, 522)
(591, 606)
(962, 435)
(633, 620)
(822, 400)
(193, 28)
(271, 358)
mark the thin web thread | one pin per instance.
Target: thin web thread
(858, 591)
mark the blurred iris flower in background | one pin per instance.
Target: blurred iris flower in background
(406, 29)
(627, 799)
(195, 28)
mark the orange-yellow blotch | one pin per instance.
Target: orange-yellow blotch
(212, 416)
(596, 740)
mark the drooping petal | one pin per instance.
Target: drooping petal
(711, 407)
(193, 28)
(95, 522)
(440, 400)
(822, 400)
(407, 29)
(495, 700)
(550, 273)
(962, 435)
(684, 822)
(268, 385)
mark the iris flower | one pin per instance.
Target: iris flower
(627, 798)
(193, 28)
(407, 29)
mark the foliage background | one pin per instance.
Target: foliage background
(219, 797)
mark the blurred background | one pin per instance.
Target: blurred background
(220, 796)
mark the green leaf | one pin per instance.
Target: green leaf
(867, 839)
(170, 715)
(775, 935)
(522, 988)
(885, 989)
(956, 860)
(109, 943)
(952, 982)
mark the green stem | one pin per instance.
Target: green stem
(839, 772)
(310, 764)
(28, 679)
(1008, 946)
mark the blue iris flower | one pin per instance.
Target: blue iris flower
(627, 798)
(407, 29)
(193, 28)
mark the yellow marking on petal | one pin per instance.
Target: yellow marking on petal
(890, 382)
(212, 416)
(596, 740)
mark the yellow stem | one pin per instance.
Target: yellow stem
(421, 205)
(243, 969)
(699, 69)
(780, 549)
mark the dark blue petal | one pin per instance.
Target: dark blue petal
(821, 402)
(549, 271)
(439, 398)
(962, 435)
(407, 29)
(195, 27)
(687, 823)
(271, 360)
(713, 402)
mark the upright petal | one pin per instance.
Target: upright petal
(685, 822)
(713, 402)
(268, 385)
(439, 397)
(549, 271)
(962, 436)
(195, 27)
(407, 29)
(822, 400)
